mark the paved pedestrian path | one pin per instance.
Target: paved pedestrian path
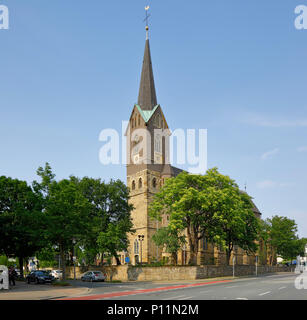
(24, 291)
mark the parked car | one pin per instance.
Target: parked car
(57, 274)
(93, 276)
(39, 276)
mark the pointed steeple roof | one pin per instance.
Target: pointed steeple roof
(147, 94)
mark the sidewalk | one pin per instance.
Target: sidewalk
(24, 291)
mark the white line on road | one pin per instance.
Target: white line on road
(282, 288)
(186, 298)
(241, 299)
(173, 298)
(262, 294)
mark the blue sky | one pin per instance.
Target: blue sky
(69, 69)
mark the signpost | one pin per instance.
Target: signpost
(233, 266)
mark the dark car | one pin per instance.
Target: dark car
(39, 277)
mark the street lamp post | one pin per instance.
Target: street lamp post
(74, 258)
(157, 246)
(234, 259)
(141, 239)
(256, 266)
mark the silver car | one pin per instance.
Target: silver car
(93, 276)
(57, 274)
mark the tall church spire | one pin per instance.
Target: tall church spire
(147, 94)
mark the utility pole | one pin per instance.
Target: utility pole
(74, 258)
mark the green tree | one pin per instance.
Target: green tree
(237, 223)
(282, 237)
(205, 205)
(67, 212)
(301, 245)
(21, 220)
(171, 240)
(110, 216)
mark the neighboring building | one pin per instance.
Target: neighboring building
(147, 169)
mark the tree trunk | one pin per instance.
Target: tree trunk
(193, 250)
(228, 256)
(117, 261)
(63, 262)
(101, 259)
(21, 266)
(174, 256)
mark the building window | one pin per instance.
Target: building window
(205, 243)
(140, 183)
(136, 247)
(139, 120)
(133, 185)
(154, 183)
(158, 144)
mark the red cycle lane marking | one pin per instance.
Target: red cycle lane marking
(127, 293)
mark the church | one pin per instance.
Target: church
(147, 169)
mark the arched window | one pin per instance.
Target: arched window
(154, 182)
(140, 183)
(158, 147)
(136, 247)
(139, 120)
(133, 185)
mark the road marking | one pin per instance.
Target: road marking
(241, 299)
(186, 298)
(262, 294)
(142, 291)
(173, 298)
(282, 288)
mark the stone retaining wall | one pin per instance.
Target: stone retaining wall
(129, 273)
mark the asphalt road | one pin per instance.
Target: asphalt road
(266, 287)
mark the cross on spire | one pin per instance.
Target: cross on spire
(146, 19)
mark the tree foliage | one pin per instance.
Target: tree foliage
(171, 240)
(280, 236)
(110, 216)
(21, 220)
(209, 205)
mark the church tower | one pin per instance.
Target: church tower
(147, 162)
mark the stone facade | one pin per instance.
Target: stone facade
(167, 273)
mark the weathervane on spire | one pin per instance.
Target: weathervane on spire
(146, 19)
